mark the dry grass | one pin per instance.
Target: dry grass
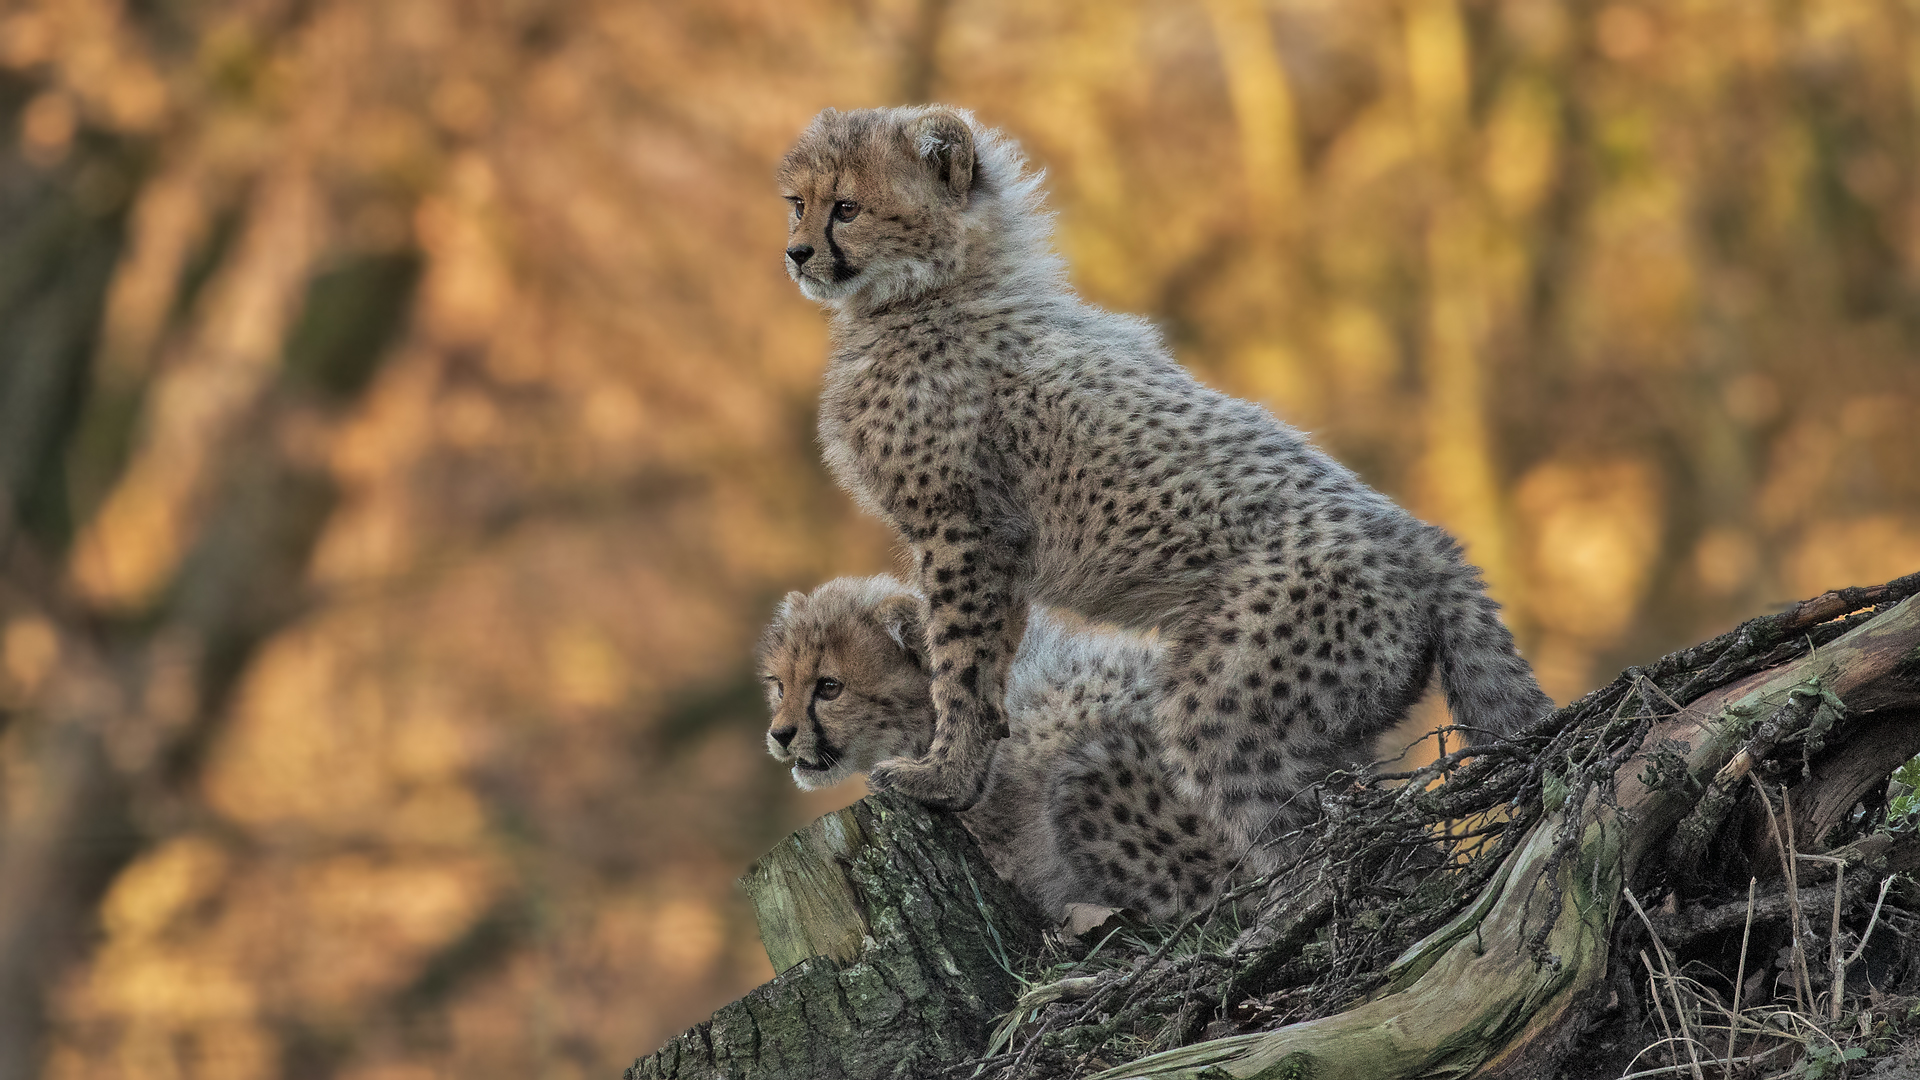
(1820, 1036)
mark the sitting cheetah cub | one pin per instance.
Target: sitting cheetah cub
(1077, 806)
(1030, 447)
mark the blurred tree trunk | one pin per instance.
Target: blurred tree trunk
(919, 63)
(61, 230)
(1499, 991)
(104, 751)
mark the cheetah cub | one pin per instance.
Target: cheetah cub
(1030, 447)
(1077, 806)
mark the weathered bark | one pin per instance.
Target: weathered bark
(1503, 988)
(894, 945)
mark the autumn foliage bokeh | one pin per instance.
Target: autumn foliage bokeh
(406, 424)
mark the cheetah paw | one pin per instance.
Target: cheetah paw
(938, 784)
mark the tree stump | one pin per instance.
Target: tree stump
(893, 945)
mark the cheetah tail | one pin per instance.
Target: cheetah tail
(1491, 691)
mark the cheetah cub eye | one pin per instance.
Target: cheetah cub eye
(826, 689)
(799, 205)
(846, 210)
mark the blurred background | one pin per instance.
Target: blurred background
(406, 425)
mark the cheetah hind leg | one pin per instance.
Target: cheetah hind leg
(1123, 839)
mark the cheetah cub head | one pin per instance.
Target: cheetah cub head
(845, 670)
(880, 200)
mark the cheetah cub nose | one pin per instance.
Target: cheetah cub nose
(784, 735)
(800, 253)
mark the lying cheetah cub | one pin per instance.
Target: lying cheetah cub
(1030, 447)
(1077, 807)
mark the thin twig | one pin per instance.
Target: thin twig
(1733, 1022)
(1666, 1070)
(1793, 898)
(1678, 708)
(1871, 920)
(1834, 963)
(1679, 1009)
(1659, 1004)
(1786, 870)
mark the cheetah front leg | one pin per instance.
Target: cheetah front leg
(975, 618)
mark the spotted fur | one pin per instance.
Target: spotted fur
(1030, 447)
(1078, 805)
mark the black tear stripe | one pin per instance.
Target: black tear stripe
(842, 270)
(829, 753)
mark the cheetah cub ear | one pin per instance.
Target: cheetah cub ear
(787, 605)
(901, 617)
(944, 140)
